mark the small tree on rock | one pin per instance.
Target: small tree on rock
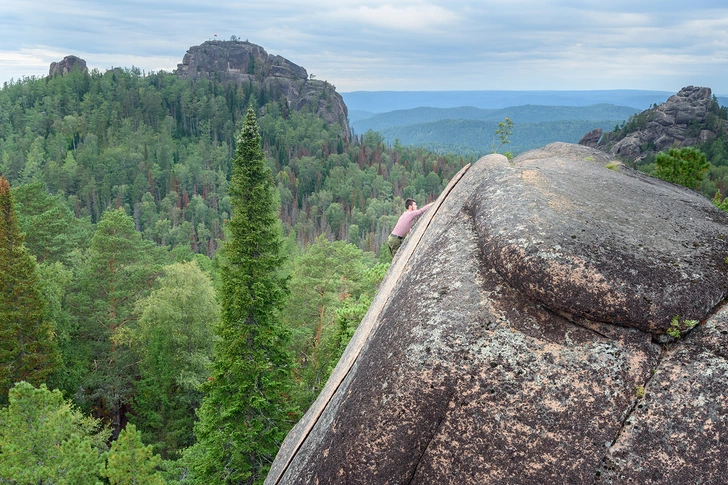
(503, 133)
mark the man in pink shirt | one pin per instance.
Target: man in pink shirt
(404, 224)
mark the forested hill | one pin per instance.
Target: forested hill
(119, 182)
(363, 121)
(160, 146)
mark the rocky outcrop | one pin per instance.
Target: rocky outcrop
(592, 138)
(683, 120)
(525, 333)
(242, 61)
(68, 64)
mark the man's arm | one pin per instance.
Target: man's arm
(420, 211)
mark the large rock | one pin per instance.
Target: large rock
(68, 64)
(244, 62)
(522, 336)
(592, 138)
(683, 120)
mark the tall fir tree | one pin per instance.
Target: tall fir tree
(27, 347)
(247, 410)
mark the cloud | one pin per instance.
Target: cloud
(383, 44)
(414, 18)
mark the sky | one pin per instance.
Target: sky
(402, 45)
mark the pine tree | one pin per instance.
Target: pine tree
(130, 462)
(246, 411)
(117, 270)
(45, 439)
(27, 347)
(686, 166)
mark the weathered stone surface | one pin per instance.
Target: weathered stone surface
(243, 61)
(609, 245)
(515, 340)
(591, 139)
(681, 121)
(68, 64)
(240, 60)
(677, 430)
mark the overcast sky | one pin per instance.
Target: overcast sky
(394, 45)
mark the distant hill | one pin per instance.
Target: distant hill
(474, 137)
(463, 122)
(519, 114)
(384, 101)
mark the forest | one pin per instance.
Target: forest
(118, 207)
(117, 198)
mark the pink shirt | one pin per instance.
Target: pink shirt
(404, 224)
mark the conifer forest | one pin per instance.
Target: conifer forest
(182, 262)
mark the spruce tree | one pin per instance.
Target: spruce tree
(246, 411)
(27, 347)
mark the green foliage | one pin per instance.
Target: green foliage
(323, 277)
(685, 166)
(637, 121)
(246, 413)
(52, 231)
(172, 341)
(348, 318)
(160, 147)
(28, 350)
(677, 327)
(122, 174)
(44, 439)
(503, 133)
(474, 138)
(117, 269)
(56, 280)
(132, 463)
(719, 201)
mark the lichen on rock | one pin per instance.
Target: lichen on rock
(521, 342)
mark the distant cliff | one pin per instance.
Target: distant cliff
(687, 118)
(68, 64)
(243, 61)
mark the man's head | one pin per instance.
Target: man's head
(410, 204)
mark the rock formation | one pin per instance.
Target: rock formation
(592, 138)
(526, 333)
(68, 64)
(243, 61)
(683, 120)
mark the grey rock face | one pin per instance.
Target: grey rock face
(238, 60)
(247, 62)
(680, 121)
(591, 139)
(524, 339)
(68, 64)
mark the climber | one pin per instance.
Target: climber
(404, 224)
